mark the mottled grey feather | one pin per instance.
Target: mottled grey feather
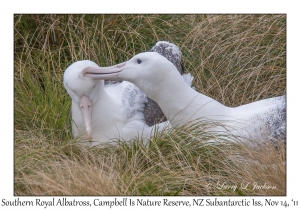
(272, 123)
(171, 52)
(152, 112)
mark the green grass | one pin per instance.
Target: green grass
(236, 59)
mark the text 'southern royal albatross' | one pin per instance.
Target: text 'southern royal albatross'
(103, 113)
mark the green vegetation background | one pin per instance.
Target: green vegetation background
(235, 59)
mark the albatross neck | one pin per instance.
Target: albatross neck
(179, 102)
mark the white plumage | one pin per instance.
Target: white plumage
(103, 113)
(158, 79)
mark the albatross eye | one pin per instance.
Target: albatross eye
(138, 61)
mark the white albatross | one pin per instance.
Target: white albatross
(158, 79)
(102, 113)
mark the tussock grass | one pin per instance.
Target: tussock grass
(238, 59)
(235, 59)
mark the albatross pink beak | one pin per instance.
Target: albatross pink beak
(105, 73)
(86, 111)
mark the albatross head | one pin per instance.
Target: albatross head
(146, 70)
(83, 91)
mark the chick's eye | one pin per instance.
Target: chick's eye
(138, 61)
